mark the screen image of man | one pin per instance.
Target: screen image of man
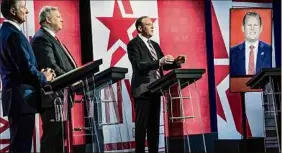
(252, 55)
(148, 63)
(20, 76)
(50, 52)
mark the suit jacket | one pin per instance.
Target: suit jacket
(21, 79)
(237, 58)
(143, 65)
(50, 53)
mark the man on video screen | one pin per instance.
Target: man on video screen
(252, 55)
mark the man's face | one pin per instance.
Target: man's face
(56, 21)
(20, 12)
(252, 29)
(147, 30)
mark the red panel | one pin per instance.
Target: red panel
(182, 31)
(70, 36)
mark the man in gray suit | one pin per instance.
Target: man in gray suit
(51, 52)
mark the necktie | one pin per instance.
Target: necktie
(66, 51)
(251, 68)
(155, 57)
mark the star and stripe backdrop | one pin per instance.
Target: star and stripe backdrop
(180, 29)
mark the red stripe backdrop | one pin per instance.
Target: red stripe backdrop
(182, 31)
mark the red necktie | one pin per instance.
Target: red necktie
(66, 51)
(251, 68)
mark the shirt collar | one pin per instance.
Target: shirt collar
(143, 38)
(255, 44)
(49, 31)
(14, 24)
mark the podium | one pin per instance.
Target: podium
(63, 107)
(95, 102)
(269, 79)
(170, 86)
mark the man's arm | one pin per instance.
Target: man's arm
(45, 56)
(174, 65)
(166, 67)
(19, 52)
(134, 57)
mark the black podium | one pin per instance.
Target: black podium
(95, 102)
(269, 80)
(63, 107)
(170, 86)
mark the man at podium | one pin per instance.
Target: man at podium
(148, 63)
(50, 52)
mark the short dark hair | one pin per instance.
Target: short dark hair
(139, 22)
(6, 5)
(254, 14)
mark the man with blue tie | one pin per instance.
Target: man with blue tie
(252, 55)
(20, 78)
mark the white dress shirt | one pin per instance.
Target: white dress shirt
(247, 54)
(145, 40)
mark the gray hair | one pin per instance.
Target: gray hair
(45, 12)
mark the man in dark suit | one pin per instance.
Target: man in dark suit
(252, 55)
(50, 52)
(20, 78)
(148, 63)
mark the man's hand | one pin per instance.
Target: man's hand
(49, 74)
(168, 59)
(180, 59)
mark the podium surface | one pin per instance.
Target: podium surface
(112, 74)
(183, 75)
(260, 79)
(73, 76)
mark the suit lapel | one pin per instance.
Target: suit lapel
(64, 48)
(29, 50)
(242, 58)
(260, 56)
(144, 47)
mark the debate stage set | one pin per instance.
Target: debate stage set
(207, 105)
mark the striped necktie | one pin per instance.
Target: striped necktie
(155, 57)
(251, 67)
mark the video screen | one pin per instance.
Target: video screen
(250, 45)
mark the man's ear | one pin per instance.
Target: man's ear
(261, 28)
(13, 11)
(139, 28)
(243, 28)
(48, 19)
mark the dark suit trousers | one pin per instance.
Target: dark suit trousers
(52, 138)
(21, 132)
(147, 110)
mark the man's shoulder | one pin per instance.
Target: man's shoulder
(237, 47)
(40, 36)
(264, 45)
(133, 41)
(39, 33)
